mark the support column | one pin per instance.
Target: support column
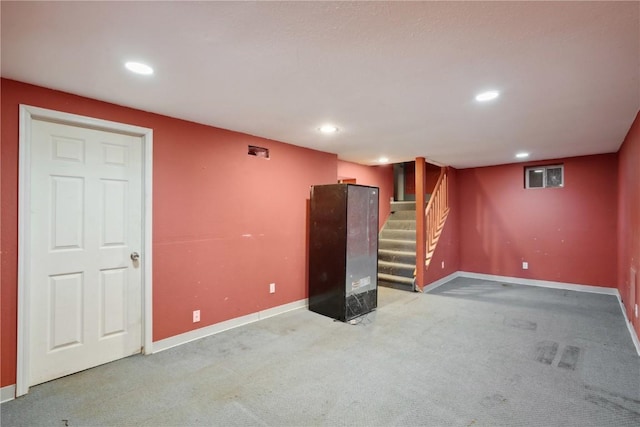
(421, 222)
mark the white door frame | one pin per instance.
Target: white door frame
(27, 115)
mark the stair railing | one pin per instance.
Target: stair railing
(435, 216)
(436, 213)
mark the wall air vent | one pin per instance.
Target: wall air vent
(258, 151)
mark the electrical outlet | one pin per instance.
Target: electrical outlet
(196, 316)
(442, 264)
(272, 288)
(525, 265)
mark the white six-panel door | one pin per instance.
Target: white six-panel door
(85, 294)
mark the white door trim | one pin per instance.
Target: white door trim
(27, 115)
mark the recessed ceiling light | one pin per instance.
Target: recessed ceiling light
(328, 129)
(487, 96)
(522, 155)
(383, 160)
(139, 68)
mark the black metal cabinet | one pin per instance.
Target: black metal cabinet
(343, 250)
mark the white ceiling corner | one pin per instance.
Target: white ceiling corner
(398, 78)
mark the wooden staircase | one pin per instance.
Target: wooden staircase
(397, 239)
(397, 247)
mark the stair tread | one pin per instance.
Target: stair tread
(394, 264)
(393, 251)
(392, 278)
(397, 215)
(400, 224)
(399, 236)
(403, 206)
(397, 240)
(399, 246)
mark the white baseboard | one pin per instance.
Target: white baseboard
(541, 283)
(632, 332)
(7, 393)
(431, 286)
(197, 334)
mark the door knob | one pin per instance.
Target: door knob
(135, 256)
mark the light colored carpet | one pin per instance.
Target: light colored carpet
(471, 353)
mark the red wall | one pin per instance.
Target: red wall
(448, 249)
(208, 193)
(410, 178)
(629, 218)
(565, 234)
(431, 175)
(376, 176)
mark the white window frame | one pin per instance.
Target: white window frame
(544, 169)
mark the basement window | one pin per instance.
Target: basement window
(258, 151)
(544, 176)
